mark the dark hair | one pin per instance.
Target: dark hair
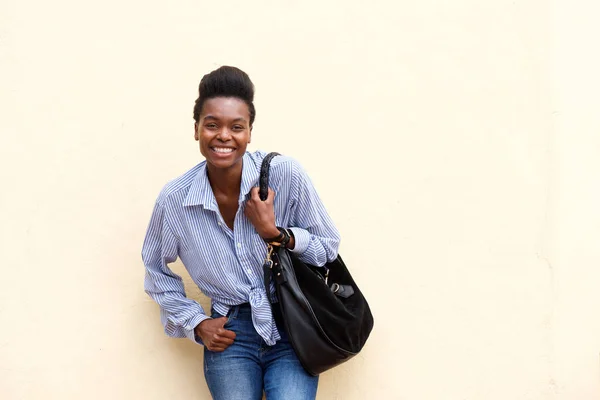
(226, 82)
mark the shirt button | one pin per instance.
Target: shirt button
(239, 245)
(219, 223)
(249, 271)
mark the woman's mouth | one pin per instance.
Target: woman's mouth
(222, 150)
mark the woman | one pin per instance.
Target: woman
(213, 220)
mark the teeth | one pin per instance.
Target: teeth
(222, 149)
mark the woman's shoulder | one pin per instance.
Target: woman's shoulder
(180, 186)
(285, 172)
(279, 164)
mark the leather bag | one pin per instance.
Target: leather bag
(327, 318)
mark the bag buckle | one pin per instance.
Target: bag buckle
(269, 260)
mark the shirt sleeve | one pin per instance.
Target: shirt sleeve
(316, 237)
(179, 315)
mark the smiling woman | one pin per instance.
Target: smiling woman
(213, 220)
(223, 131)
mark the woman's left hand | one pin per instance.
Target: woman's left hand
(262, 214)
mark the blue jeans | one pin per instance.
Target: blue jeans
(249, 366)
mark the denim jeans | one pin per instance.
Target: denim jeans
(249, 366)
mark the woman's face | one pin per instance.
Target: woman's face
(223, 131)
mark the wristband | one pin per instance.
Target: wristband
(282, 240)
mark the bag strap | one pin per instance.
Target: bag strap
(263, 193)
(264, 176)
(268, 274)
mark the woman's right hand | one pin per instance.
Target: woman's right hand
(214, 336)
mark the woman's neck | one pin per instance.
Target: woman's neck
(226, 181)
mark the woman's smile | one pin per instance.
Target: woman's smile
(223, 150)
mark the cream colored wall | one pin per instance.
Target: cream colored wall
(455, 145)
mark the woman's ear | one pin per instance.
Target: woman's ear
(250, 136)
(196, 131)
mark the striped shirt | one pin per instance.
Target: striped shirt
(227, 264)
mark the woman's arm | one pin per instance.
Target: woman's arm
(179, 315)
(316, 239)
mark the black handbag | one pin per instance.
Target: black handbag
(327, 318)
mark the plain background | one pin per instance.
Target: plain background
(455, 144)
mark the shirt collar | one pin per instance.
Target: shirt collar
(201, 193)
(250, 175)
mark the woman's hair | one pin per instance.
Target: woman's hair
(226, 82)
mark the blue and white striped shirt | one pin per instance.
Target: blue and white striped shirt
(227, 264)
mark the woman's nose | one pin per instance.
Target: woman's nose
(224, 134)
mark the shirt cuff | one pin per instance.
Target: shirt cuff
(191, 333)
(301, 240)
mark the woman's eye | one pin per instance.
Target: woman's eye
(211, 126)
(238, 128)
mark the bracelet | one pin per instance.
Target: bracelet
(282, 240)
(286, 236)
(277, 238)
(290, 233)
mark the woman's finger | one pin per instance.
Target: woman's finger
(223, 341)
(215, 346)
(226, 333)
(254, 195)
